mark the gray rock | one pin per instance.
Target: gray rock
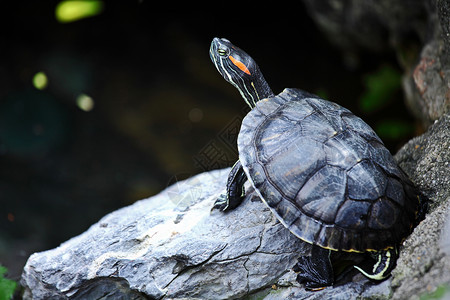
(424, 263)
(417, 31)
(359, 289)
(426, 159)
(374, 25)
(427, 84)
(171, 246)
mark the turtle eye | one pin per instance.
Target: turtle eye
(222, 52)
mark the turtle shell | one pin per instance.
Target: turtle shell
(325, 174)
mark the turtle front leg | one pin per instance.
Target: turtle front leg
(315, 271)
(235, 189)
(385, 263)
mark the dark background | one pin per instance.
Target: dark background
(162, 112)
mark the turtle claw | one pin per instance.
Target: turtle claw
(310, 281)
(315, 272)
(235, 190)
(221, 203)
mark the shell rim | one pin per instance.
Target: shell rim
(247, 172)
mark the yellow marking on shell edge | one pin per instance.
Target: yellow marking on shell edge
(385, 249)
(351, 250)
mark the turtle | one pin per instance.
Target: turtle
(322, 171)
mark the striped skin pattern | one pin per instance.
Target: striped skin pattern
(239, 69)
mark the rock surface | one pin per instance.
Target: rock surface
(172, 246)
(424, 263)
(374, 25)
(417, 31)
(426, 159)
(427, 84)
(169, 246)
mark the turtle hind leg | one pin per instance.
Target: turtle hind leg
(385, 263)
(235, 189)
(315, 272)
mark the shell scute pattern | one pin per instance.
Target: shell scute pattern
(387, 163)
(277, 136)
(344, 151)
(325, 174)
(384, 214)
(394, 191)
(323, 190)
(328, 235)
(295, 166)
(310, 228)
(353, 214)
(357, 125)
(366, 181)
(290, 111)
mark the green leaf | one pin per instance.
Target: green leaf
(69, 11)
(7, 286)
(380, 86)
(442, 292)
(322, 93)
(394, 129)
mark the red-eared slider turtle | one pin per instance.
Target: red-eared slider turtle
(322, 171)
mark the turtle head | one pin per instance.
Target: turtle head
(239, 69)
